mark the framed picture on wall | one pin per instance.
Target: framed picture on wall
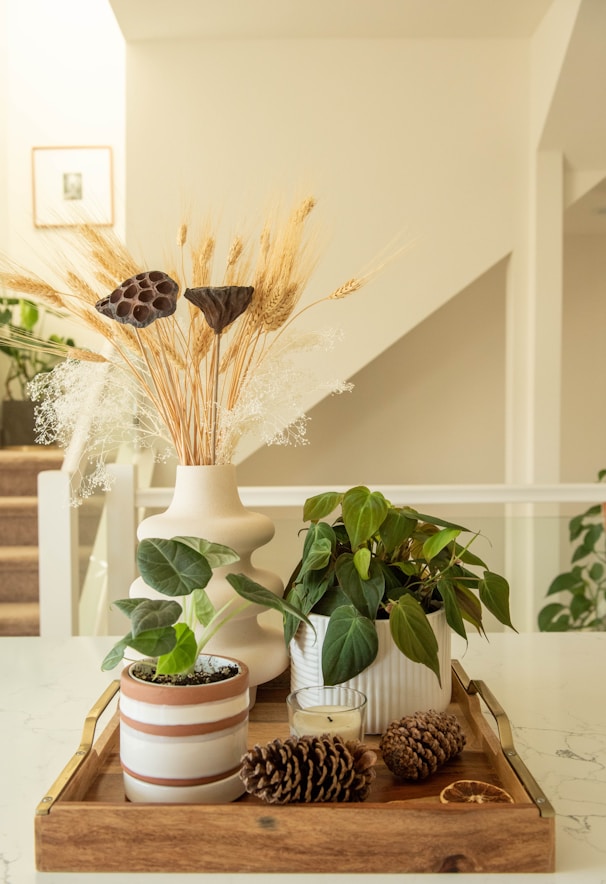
(72, 185)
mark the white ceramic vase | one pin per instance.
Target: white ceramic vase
(183, 744)
(206, 504)
(393, 684)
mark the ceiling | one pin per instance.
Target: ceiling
(273, 19)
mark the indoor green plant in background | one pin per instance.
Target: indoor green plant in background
(27, 355)
(379, 562)
(578, 595)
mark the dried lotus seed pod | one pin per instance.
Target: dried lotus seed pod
(141, 299)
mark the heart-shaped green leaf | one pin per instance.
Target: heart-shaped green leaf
(365, 595)
(494, 595)
(363, 514)
(182, 656)
(412, 633)
(203, 607)
(172, 568)
(350, 645)
(321, 505)
(154, 614)
(438, 541)
(396, 528)
(216, 554)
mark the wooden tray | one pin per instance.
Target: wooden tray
(85, 824)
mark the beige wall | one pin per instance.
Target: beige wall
(583, 435)
(425, 137)
(427, 411)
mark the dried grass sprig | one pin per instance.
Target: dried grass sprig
(207, 388)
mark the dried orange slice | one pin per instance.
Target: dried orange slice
(474, 792)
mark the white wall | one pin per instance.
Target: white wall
(66, 88)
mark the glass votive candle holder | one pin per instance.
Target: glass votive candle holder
(322, 709)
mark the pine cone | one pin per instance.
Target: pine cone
(414, 747)
(309, 769)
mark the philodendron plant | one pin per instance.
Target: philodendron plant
(378, 561)
(165, 629)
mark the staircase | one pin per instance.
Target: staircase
(19, 468)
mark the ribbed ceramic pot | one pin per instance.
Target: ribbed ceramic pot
(393, 684)
(206, 503)
(183, 744)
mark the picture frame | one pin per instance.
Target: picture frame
(72, 186)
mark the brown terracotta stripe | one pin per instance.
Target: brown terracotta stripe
(171, 695)
(184, 730)
(198, 781)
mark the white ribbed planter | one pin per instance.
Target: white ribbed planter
(394, 685)
(183, 744)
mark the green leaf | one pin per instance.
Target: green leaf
(439, 541)
(361, 562)
(155, 642)
(579, 606)
(451, 607)
(494, 595)
(297, 599)
(350, 645)
(317, 557)
(548, 615)
(396, 528)
(171, 567)
(203, 607)
(566, 582)
(116, 655)
(154, 614)
(216, 554)
(413, 635)
(259, 595)
(321, 505)
(469, 605)
(183, 655)
(29, 315)
(596, 572)
(365, 595)
(363, 514)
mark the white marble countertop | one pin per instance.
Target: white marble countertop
(551, 686)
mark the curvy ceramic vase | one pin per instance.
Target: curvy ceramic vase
(206, 504)
(183, 743)
(393, 684)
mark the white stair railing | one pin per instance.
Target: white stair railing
(58, 535)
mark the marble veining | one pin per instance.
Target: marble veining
(549, 685)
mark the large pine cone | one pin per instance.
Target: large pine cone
(309, 769)
(414, 747)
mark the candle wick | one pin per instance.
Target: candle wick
(329, 718)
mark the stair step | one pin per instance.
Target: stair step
(19, 618)
(19, 574)
(19, 468)
(18, 521)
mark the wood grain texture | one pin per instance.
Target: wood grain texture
(405, 827)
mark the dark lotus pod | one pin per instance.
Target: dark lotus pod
(220, 304)
(141, 299)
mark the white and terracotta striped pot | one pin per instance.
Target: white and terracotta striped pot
(393, 684)
(183, 743)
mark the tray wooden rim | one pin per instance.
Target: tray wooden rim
(64, 808)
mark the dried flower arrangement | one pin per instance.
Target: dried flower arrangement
(198, 367)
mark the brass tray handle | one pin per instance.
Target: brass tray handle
(472, 686)
(83, 750)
